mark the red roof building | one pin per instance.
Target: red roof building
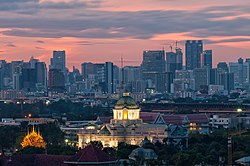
(91, 155)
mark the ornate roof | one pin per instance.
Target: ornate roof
(126, 101)
(91, 155)
(33, 139)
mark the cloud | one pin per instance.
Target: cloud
(39, 48)
(10, 45)
(82, 22)
(88, 43)
(39, 41)
(232, 40)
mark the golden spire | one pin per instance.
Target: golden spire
(33, 139)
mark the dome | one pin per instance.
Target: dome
(126, 101)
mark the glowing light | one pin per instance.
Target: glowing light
(33, 139)
(239, 110)
(90, 128)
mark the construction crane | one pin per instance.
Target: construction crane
(171, 45)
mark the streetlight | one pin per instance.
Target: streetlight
(239, 110)
(66, 141)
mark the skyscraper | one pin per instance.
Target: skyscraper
(56, 80)
(200, 77)
(240, 70)
(153, 63)
(194, 50)
(207, 58)
(41, 75)
(58, 61)
(171, 62)
(29, 80)
(87, 68)
(109, 77)
(179, 58)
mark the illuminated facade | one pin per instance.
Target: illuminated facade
(33, 139)
(126, 126)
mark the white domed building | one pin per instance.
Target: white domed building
(125, 126)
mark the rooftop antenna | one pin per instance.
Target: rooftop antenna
(176, 44)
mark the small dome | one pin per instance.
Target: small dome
(126, 101)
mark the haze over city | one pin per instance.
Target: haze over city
(105, 30)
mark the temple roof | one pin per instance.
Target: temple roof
(126, 101)
(90, 155)
(33, 138)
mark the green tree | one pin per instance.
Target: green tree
(8, 136)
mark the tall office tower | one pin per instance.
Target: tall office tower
(163, 82)
(2, 63)
(201, 77)
(248, 61)
(207, 59)
(131, 74)
(240, 70)
(227, 80)
(152, 64)
(1, 77)
(87, 68)
(116, 79)
(194, 50)
(184, 80)
(33, 62)
(58, 61)
(29, 79)
(41, 75)
(56, 80)
(99, 70)
(109, 78)
(17, 78)
(213, 76)
(15, 67)
(7, 75)
(179, 58)
(171, 62)
(222, 67)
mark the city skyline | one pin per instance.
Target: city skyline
(99, 31)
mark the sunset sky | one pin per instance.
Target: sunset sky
(105, 30)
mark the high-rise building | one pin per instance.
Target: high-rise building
(58, 61)
(184, 81)
(213, 76)
(87, 68)
(207, 58)
(17, 76)
(222, 67)
(179, 58)
(201, 77)
(153, 63)
(56, 80)
(109, 77)
(227, 80)
(41, 75)
(240, 70)
(194, 50)
(163, 82)
(29, 80)
(171, 62)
